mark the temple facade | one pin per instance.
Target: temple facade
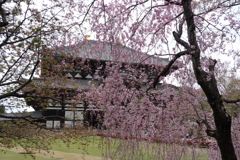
(69, 70)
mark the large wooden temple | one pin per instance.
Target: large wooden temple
(68, 70)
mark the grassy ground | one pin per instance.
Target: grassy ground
(90, 147)
(97, 146)
(15, 154)
(10, 155)
(140, 150)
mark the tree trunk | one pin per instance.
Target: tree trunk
(223, 133)
(208, 83)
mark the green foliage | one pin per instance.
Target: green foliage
(233, 92)
(2, 109)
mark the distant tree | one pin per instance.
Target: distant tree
(232, 92)
(26, 28)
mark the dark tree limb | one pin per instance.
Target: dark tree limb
(9, 83)
(180, 41)
(3, 15)
(213, 62)
(211, 133)
(14, 93)
(166, 69)
(173, 2)
(230, 100)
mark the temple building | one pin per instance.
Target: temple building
(68, 70)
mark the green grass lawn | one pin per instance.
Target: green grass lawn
(97, 146)
(9, 155)
(88, 145)
(141, 150)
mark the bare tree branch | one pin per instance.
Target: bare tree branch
(165, 71)
(14, 93)
(230, 100)
(173, 2)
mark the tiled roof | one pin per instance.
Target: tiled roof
(10, 116)
(65, 83)
(107, 51)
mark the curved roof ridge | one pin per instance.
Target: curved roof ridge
(108, 51)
